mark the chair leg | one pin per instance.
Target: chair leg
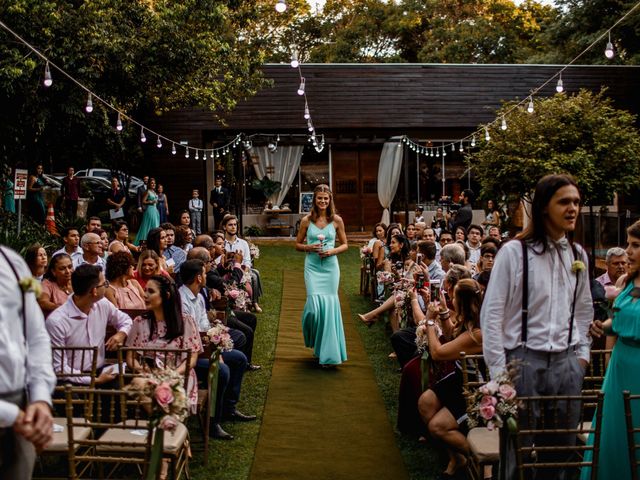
(207, 423)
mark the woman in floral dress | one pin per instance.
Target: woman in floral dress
(166, 327)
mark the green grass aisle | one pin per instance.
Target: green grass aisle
(322, 424)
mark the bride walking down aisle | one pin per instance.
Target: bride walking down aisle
(321, 319)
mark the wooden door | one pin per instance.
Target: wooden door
(355, 186)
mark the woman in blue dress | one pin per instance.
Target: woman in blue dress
(622, 371)
(163, 207)
(151, 216)
(8, 201)
(35, 196)
(321, 318)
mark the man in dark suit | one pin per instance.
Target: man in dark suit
(219, 200)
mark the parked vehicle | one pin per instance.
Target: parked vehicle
(105, 174)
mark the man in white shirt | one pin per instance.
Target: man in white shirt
(539, 316)
(82, 322)
(92, 251)
(71, 238)
(474, 242)
(25, 369)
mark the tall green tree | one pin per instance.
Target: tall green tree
(582, 134)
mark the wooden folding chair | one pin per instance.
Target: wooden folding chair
(365, 275)
(115, 442)
(75, 366)
(593, 380)
(544, 440)
(141, 360)
(633, 431)
(484, 444)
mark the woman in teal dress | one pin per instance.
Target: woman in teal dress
(8, 201)
(35, 197)
(321, 318)
(622, 371)
(151, 217)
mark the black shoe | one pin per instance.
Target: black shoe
(217, 432)
(238, 416)
(252, 367)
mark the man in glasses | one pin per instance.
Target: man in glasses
(92, 251)
(82, 322)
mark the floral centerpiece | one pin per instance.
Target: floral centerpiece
(237, 296)
(219, 336)
(254, 251)
(495, 404)
(402, 300)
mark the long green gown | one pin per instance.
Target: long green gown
(321, 319)
(150, 218)
(622, 374)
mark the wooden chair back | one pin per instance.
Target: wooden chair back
(544, 420)
(117, 439)
(474, 373)
(594, 375)
(135, 361)
(73, 365)
(631, 404)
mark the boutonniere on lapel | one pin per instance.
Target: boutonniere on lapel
(578, 266)
(31, 284)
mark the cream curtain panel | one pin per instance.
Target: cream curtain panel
(281, 165)
(388, 176)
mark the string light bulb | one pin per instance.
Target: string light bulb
(560, 85)
(197, 156)
(444, 152)
(461, 147)
(473, 141)
(453, 147)
(609, 52)
(301, 87)
(307, 114)
(530, 106)
(89, 106)
(159, 142)
(173, 149)
(143, 138)
(119, 123)
(48, 80)
(186, 154)
(487, 137)
(503, 125)
(281, 6)
(294, 58)
(204, 155)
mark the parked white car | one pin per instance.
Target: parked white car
(105, 174)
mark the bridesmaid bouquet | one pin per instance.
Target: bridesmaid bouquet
(365, 251)
(165, 389)
(219, 336)
(321, 237)
(422, 339)
(495, 404)
(402, 297)
(237, 296)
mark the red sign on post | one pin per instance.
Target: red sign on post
(20, 184)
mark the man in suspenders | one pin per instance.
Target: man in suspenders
(537, 308)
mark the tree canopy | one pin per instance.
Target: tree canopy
(582, 134)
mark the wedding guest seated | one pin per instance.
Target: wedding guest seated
(164, 326)
(173, 254)
(71, 238)
(124, 291)
(410, 232)
(452, 254)
(148, 266)
(233, 363)
(428, 250)
(56, 285)
(376, 244)
(474, 239)
(120, 242)
(91, 251)
(36, 258)
(183, 238)
(157, 241)
(93, 224)
(443, 408)
(104, 238)
(82, 322)
(488, 253)
(494, 232)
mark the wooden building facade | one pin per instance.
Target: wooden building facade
(359, 107)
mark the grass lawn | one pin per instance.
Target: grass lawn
(232, 460)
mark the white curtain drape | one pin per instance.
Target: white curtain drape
(388, 176)
(281, 165)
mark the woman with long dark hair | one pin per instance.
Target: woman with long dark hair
(322, 319)
(164, 326)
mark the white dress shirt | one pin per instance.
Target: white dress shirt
(79, 260)
(551, 289)
(243, 246)
(38, 378)
(474, 253)
(70, 327)
(195, 204)
(193, 305)
(78, 252)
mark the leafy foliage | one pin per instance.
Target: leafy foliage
(30, 233)
(267, 186)
(583, 135)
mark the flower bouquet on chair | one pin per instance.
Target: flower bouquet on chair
(237, 296)
(495, 404)
(219, 337)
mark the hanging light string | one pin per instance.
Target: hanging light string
(121, 116)
(318, 142)
(483, 130)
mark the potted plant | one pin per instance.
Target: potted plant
(268, 187)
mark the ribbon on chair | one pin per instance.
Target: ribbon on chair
(214, 368)
(157, 449)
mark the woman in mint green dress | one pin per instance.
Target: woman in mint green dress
(622, 371)
(8, 203)
(151, 216)
(321, 318)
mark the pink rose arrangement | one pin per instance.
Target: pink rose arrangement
(237, 296)
(495, 404)
(422, 339)
(219, 336)
(365, 251)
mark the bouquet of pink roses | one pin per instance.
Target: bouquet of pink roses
(237, 296)
(385, 278)
(365, 251)
(219, 336)
(495, 403)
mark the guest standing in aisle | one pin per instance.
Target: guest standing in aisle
(321, 318)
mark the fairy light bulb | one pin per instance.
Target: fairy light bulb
(143, 138)
(204, 155)
(281, 6)
(119, 123)
(310, 125)
(301, 87)
(609, 52)
(186, 155)
(89, 106)
(307, 114)
(461, 147)
(453, 147)
(159, 142)
(294, 59)
(173, 149)
(432, 154)
(530, 106)
(48, 80)
(197, 156)
(503, 125)
(444, 152)
(560, 85)
(487, 137)
(473, 141)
